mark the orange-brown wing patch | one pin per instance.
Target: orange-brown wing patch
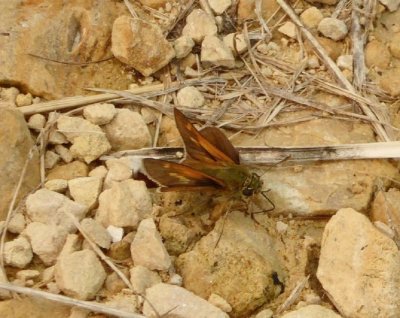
(178, 176)
(197, 146)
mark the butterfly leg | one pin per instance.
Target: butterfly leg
(223, 223)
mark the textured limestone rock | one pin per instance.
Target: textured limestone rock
(377, 54)
(311, 17)
(215, 52)
(332, 28)
(96, 232)
(183, 46)
(362, 277)
(312, 311)
(198, 25)
(18, 252)
(85, 190)
(190, 96)
(99, 114)
(142, 278)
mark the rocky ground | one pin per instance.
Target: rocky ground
(78, 221)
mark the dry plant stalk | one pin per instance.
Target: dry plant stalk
(294, 295)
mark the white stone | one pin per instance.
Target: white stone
(80, 274)
(147, 248)
(36, 121)
(18, 252)
(89, 141)
(266, 313)
(190, 96)
(125, 204)
(99, 172)
(345, 62)
(219, 302)
(392, 5)
(236, 42)
(219, 6)
(57, 185)
(9, 94)
(72, 244)
(99, 114)
(128, 131)
(57, 138)
(117, 171)
(313, 62)
(333, 28)
(17, 223)
(183, 46)
(186, 304)
(46, 240)
(50, 159)
(215, 52)
(359, 267)
(51, 208)
(64, 153)
(85, 190)
(281, 227)
(116, 233)
(312, 311)
(176, 279)
(96, 232)
(26, 274)
(23, 100)
(311, 17)
(142, 278)
(198, 25)
(288, 29)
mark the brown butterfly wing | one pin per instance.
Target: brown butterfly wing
(178, 177)
(198, 147)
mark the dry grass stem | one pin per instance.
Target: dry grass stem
(294, 295)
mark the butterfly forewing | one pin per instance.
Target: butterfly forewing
(198, 147)
(178, 177)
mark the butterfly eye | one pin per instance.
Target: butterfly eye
(248, 191)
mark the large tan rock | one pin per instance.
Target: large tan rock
(15, 144)
(140, 44)
(76, 31)
(359, 267)
(246, 9)
(22, 307)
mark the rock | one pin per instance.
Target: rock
(147, 248)
(116, 233)
(64, 153)
(96, 232)
(311, 17)
(48, 274)
(85, 190)
(15, 145)
(198, 25)
(154, 3)
(125, 204)
(177, 237)
(80, 274)
(128, 131)
(392, 5)
(9, 95)
(386, 209)
(246, 9)
(183, 46)
(23, 100)
(127, 303)
(38, 26)
(215, 52)
(99, 172)
(312, 311)
(394, 45)
(345, 62)
(133, 44)
(117, 171)
(328, 2)
(190, 96)
(313, 62)
(377, 54)
(100, 113)
(33, 308)
(143, 278)
(288, 29)
(219, 302)
(281, 227)
(50, 159)
(72, 244)
(88, 141)
(57, 138)
(164, 297)
(50, 207)
(175, 279)
(219, 6)
(17, 223)
(333, 49)
(236, 42)
(362, 277)
(4, 294)
(69, 171)
(57, 185)
(18, 252)
(114, 284)
(266, 313)
(333, 28)
(27, 274)
(46, 240)
(36, 121)
(390, 81)
(241, 243)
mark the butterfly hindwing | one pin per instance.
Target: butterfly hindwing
(175, 176)
(198, 147)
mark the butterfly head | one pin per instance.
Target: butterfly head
(252, 185)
